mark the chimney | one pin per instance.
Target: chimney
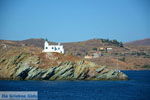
(58, 43)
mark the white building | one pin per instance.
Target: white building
(109, 49)
(88, 57)
(53, 48)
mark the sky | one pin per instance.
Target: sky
(75, 20)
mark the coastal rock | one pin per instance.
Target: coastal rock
(25, 66)
(98, 70)
(111, 75)
(48, 73)
(63, 71)
(80, 72)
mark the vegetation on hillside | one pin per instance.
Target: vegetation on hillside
(114, 42)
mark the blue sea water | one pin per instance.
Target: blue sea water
(137, 88)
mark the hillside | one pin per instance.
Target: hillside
(29, 42)
(121, 56)
(75, 48)
(144, 42)
(86, 47)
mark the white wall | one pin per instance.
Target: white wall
(53, 48)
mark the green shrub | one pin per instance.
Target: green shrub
(94, 49)
(146, 66)
(122, 59)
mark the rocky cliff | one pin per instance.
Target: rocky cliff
(31, 64)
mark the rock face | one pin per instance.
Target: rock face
(24, 66)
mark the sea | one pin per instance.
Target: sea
(136, 88)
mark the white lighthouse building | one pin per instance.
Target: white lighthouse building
(53, 48)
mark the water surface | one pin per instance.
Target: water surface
(137, 88)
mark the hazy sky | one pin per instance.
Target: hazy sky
(74, 20)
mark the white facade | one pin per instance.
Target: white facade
(53, 48)
(109, 49)
(88, 57)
